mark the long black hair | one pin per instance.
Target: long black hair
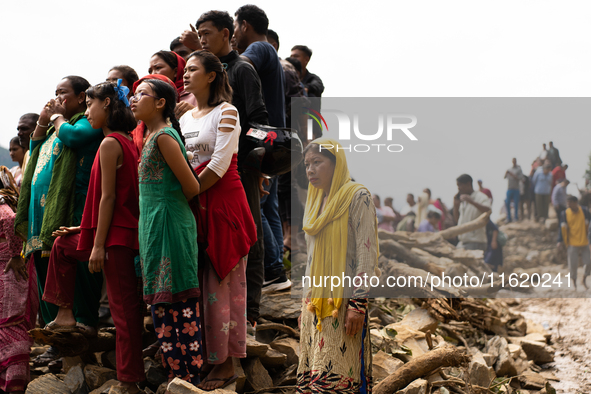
(167, 92)
(219, 90)
(119, 117)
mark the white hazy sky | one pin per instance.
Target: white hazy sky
(369, 49)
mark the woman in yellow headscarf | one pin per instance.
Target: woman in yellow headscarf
(341, 234)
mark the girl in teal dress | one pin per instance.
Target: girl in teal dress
(167, 230)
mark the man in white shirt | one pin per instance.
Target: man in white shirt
(411, 205)
(469, 204)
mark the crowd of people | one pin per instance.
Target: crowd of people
(527, 197)
(140, 184)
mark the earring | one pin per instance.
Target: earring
(105, 107)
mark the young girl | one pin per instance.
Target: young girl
(226, 226)
(107, 240)
(167, 230)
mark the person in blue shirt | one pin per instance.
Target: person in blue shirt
(542, 182)
(250, 30)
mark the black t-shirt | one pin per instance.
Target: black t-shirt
(247, 97)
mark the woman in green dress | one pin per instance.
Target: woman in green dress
(167, 229)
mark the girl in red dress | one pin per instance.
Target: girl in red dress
(108, 241)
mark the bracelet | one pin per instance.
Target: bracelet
(40, 125)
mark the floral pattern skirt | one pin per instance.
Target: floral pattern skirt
(178, 327)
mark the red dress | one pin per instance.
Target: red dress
(124, 224)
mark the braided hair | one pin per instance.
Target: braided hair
(169, 94)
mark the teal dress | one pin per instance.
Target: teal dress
(167, 229)
(85, 141)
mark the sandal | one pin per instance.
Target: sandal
(44, 359)
(53, 326)
(224, 382)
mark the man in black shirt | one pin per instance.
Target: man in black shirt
(312, 82)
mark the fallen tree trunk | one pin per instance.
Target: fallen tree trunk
(389, 246)
(475, 224)
(447, 356)
(73, 344)
(279, 327)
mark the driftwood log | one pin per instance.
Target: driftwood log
(446, 356)
(389, 247)
(475, 224)
(73, 343)
(279, 327)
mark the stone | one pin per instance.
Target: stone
(514, 350)
(155, 372)
(531, 381)
(377, 339)
(75, 380)
(288, 346)
(109, 359)
(536, 337)
(241, 381)
(551, 224)
(383, 365)
(116, 389)
(162, 388)
(421, 320)
(533, 327)
(498, 347)
(256, 375)
(540, 353)
(179, 386)
(47, 384)
(288, 377)
(69, 362)
(96, 376)
(479, 372)
(38, 350)
(105, 388)
(273, 358)
(418, 386)
(489, 358)
(255, 348)
(280, 306)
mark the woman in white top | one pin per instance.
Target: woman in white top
(226, 230)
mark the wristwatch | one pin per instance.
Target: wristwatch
(54, 117)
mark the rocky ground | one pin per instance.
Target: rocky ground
(432, 341)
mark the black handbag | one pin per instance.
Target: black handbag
(272, 150)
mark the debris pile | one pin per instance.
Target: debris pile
(435, 341)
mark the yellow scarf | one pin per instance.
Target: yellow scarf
(330, 232)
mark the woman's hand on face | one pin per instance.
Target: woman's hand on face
(353, 322)
(17, 265)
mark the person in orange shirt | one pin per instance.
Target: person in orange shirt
(574, 234)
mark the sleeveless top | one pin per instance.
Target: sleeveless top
(123, 230)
